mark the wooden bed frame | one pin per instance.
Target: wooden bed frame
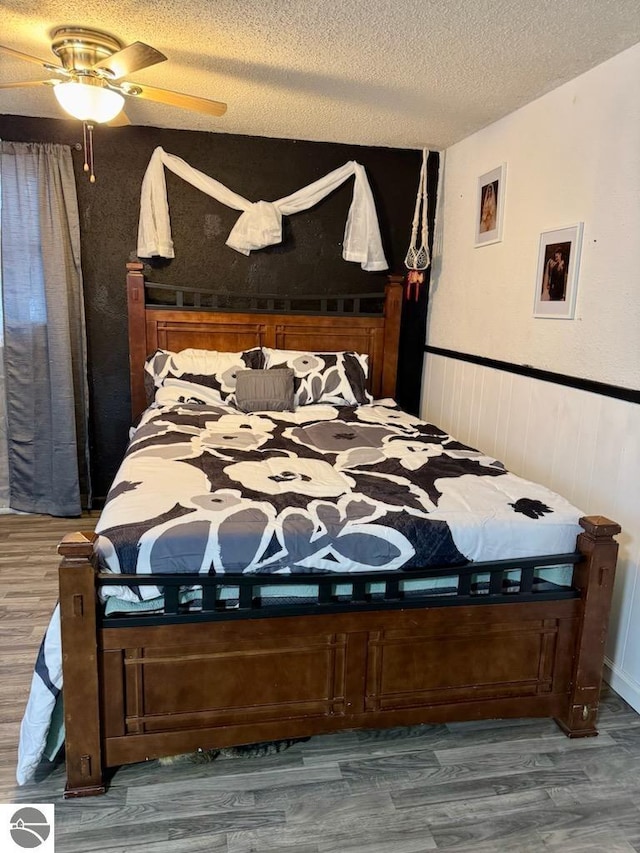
(140, 689)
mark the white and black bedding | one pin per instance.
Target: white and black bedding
(322, 489)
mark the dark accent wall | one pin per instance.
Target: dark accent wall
(309, 260)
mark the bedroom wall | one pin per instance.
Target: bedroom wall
(573, 155)
(308, 261)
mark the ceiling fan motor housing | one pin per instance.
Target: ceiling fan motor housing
(79, 48)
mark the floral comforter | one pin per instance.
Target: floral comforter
(322, 489)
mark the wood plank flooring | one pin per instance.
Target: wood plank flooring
(514, 786)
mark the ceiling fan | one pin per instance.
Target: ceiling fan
(94, 64)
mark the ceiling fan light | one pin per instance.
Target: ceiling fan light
(88, 102)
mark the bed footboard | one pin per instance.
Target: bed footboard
(140, 692)
(80, 668)
(594, 577)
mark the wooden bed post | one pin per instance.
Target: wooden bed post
(392, 317)
(594, 576)
(137, 337)
(80, 666)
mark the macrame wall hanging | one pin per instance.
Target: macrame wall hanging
(417, 258)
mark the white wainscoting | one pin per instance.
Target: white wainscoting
(582, 445)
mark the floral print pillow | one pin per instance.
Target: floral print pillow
(335, 378)
(197, 375)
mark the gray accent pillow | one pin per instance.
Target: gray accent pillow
(265, 390)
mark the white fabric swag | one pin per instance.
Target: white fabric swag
(260, 224)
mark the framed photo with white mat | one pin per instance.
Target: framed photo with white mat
(490, 206)
(557, 276)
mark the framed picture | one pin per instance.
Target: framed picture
(557, 278)
(490, 206)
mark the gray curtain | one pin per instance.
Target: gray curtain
(44, 331)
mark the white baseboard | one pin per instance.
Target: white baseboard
(623, 684)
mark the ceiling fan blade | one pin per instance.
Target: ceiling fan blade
(18, 55)
(121, 120)
(174, 99)
(130, 59)
(29, 83)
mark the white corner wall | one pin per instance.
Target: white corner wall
(572, 156)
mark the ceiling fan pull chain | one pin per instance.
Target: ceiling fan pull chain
(84, 145)
(87, 138)
(92, 177)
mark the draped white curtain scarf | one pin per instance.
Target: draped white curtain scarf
(260, 223)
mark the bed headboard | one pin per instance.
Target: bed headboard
(193, 319)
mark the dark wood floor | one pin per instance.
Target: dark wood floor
(517, 787)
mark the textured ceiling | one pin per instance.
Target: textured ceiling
(400, 73)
